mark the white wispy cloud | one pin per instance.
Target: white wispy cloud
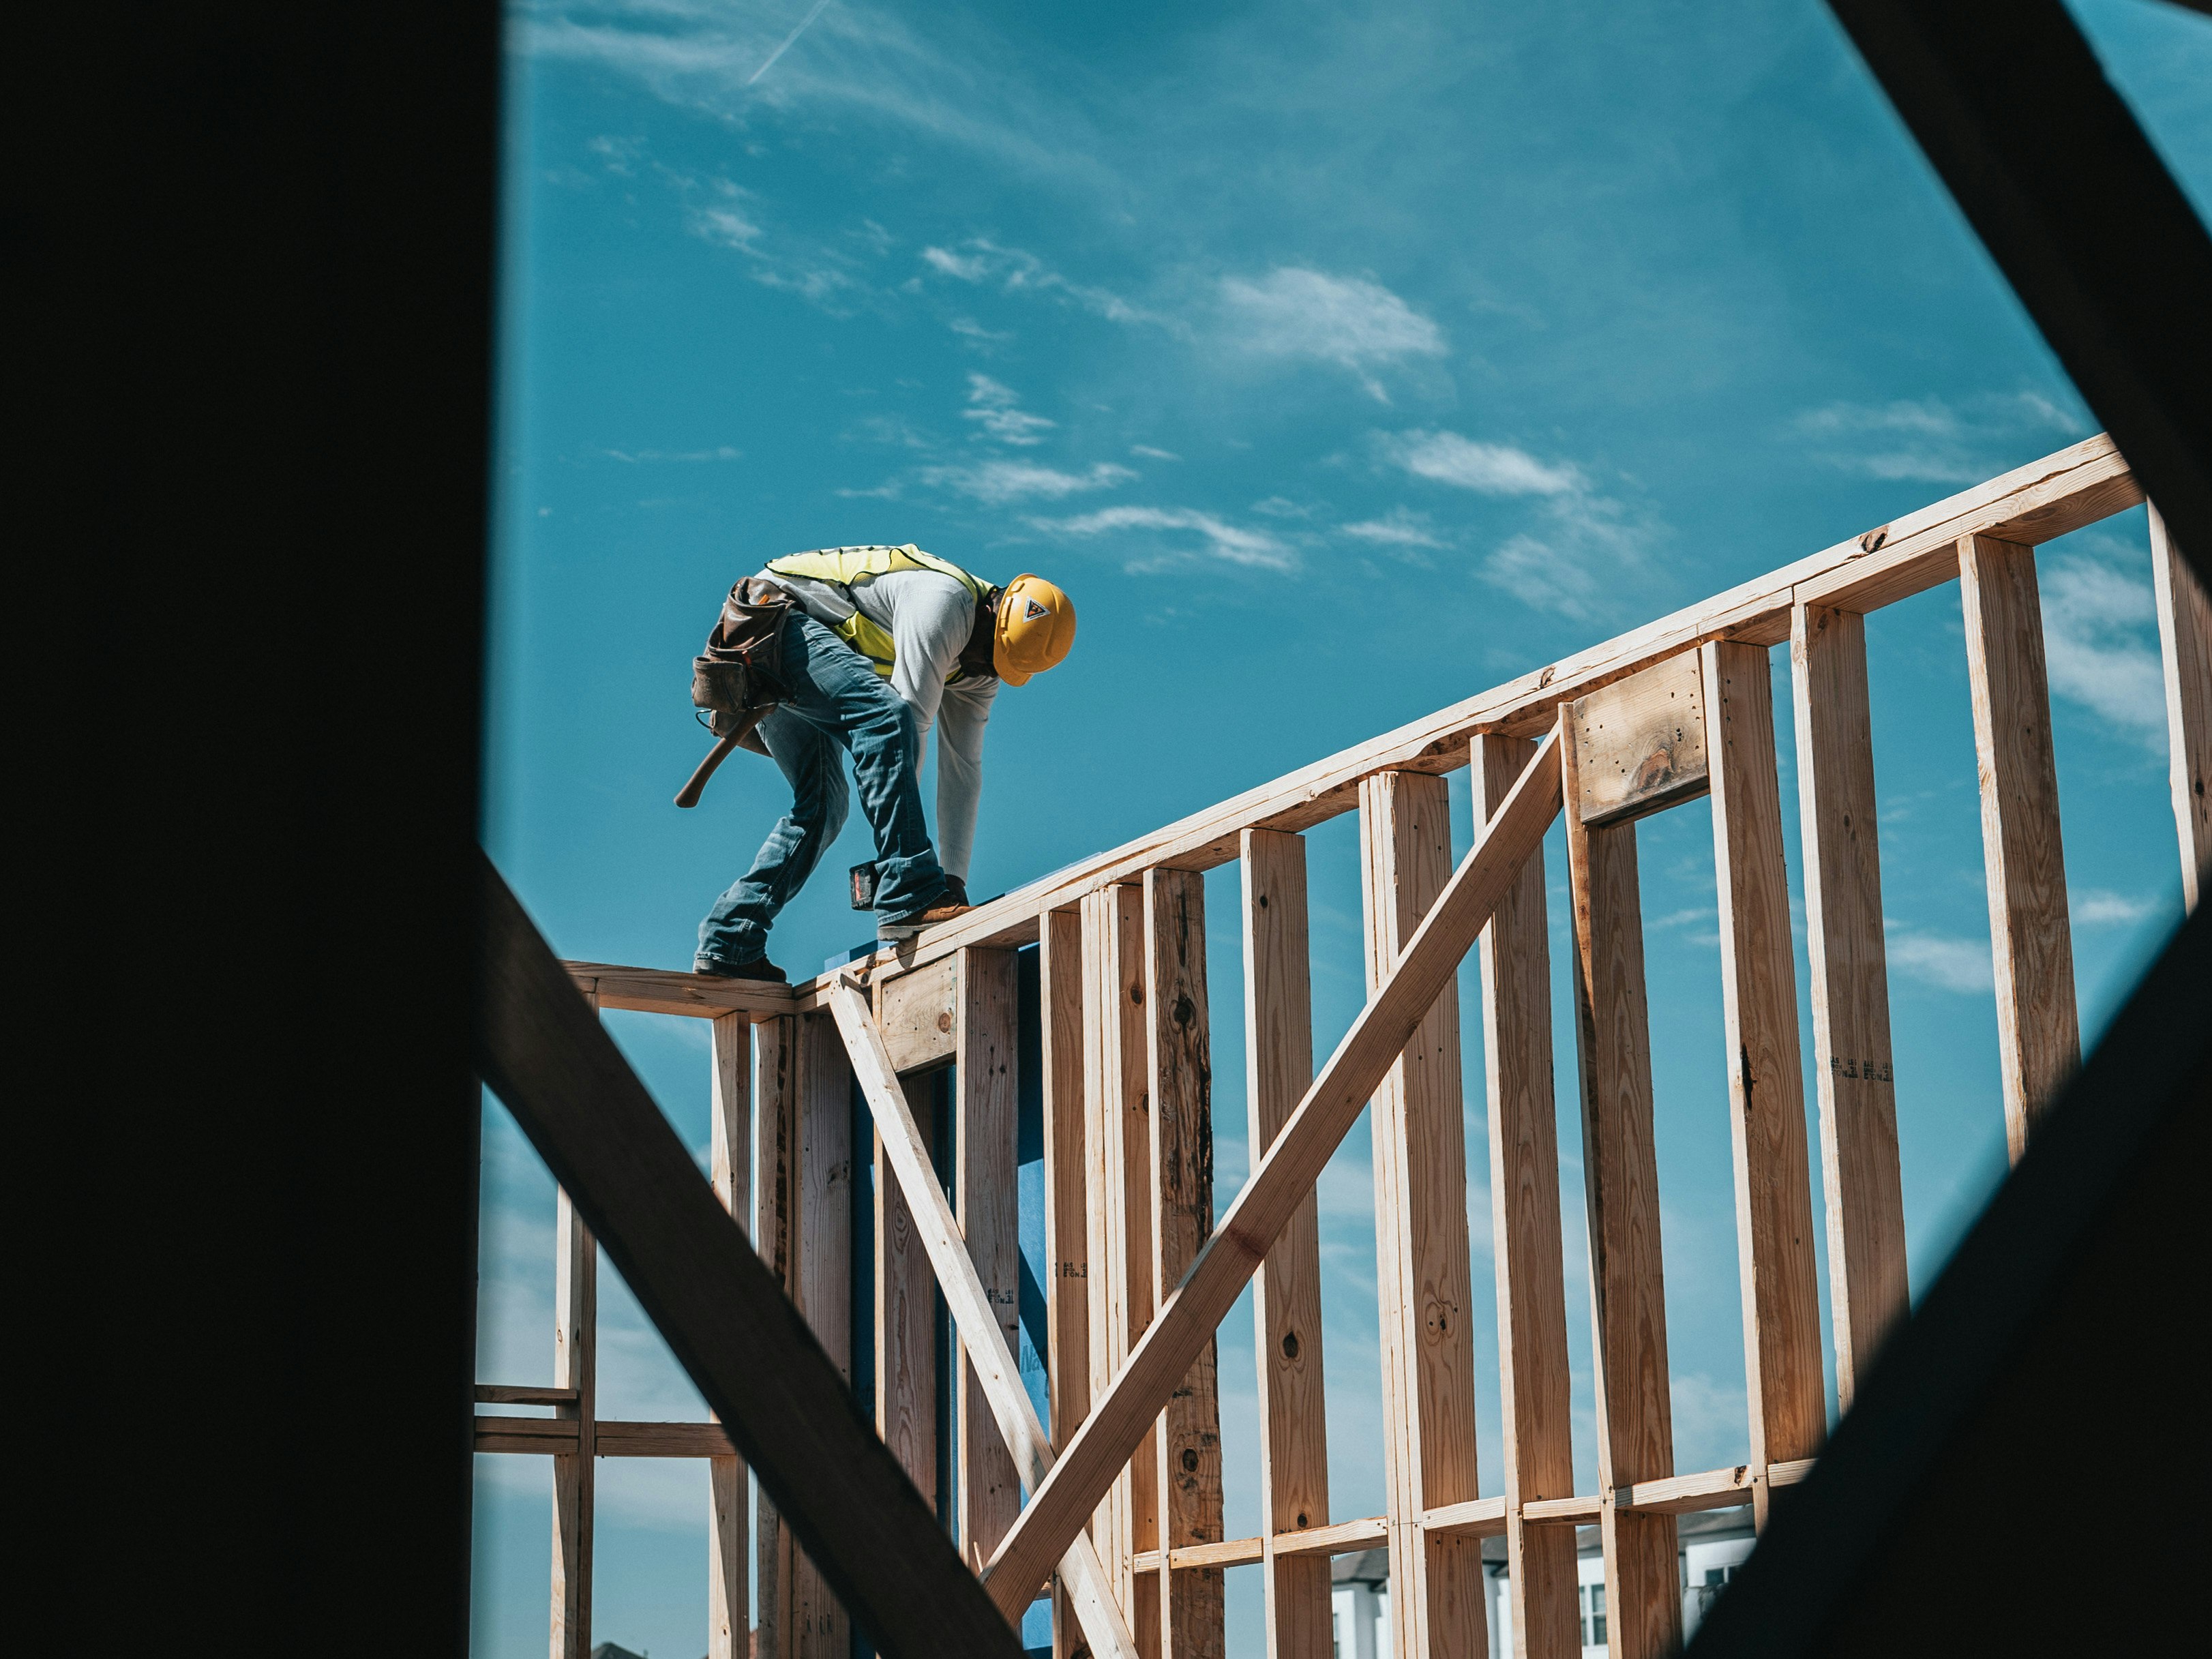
(820, 275)
(635, 457)
(2101, 640)
(996, 482)
(2101, 907)
(969, 329)
(1150, 454)
(1489, 469)
(1400, 528)
(1358, 325)
(1944, 962)
(1574, 558)
(1222, 540)
(1014, 270)
(1935, 440)
(997, 408)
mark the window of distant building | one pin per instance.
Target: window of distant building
(1593, 1615)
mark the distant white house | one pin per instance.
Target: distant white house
(1713, 1545)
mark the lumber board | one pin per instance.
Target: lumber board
(1689, 1494)
(906, 1311)
(2047, 498)
(919, 1014)
(1422, 1268)
(1640, 743)
(1066, 1218)
(822, 1261)
(1179, 1067)
(975, 1314)
(575, 1368)
(664, 990)
(1620, 1184)
(2184, 639)
(775, 1151)
(1477, 1517)
(501, 1394)
(730, 1168)
(986, 1027)
(1118, 1153)
(1286, 1290)
(1526, 1247)
(2031, 937)
(1188, 1318)
(544, 1436)
(1764, 1066)
(607, 1143)
(1579, 1511)
(1338, 1538)
(1862, 1179)
(1230, 1553)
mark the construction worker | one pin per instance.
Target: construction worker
(881, 644)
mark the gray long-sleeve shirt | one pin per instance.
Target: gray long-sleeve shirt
(929, 617)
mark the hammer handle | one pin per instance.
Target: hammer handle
(688, 795)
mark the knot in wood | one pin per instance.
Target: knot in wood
(1185, 1010)
(1190, 1461)
(1291, 1348)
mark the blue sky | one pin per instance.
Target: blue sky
(1340, 361)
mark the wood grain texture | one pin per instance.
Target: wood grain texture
(1640, 743)
(2031, 936)
(607, 1144)
(906, 1311)
(1422, 1268)
(975, 1310)
(730, 1158)
(1180, 1067)
(919, 1013)
(1525, 1244)
(1863, 1181)
(1287, 1289)
(1621, 1179)
(2047, 498)
(1764, 1066)
(776, 1153)
(1067, 1220)
(822, 1258)
(1121, 1414)
(1118, 1155)
(2185, 638)
(987, 1024)
(663, 991)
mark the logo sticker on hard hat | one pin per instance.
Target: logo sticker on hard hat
(1034, 611)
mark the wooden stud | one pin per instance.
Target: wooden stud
(919, 1013)
(2184, 637)
(776, 1162)
(1423, 1272)
(1121, 1414)
(822, 1256)
(984, 1184)
(1119, 1154)
(731, 1157)
(1287, 1289)
(1066, 1212)
(1524, 1191)
(1765, 1067)
(2030, 939)
(575, 1370)
(905, 1313)
(1620, 1176)
(1180, 1066)
(1862, 1184)
(575, 1365)
(974, 1309)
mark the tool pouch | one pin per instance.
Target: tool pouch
(738, 678)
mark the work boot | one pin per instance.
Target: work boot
(951, 901)
(759, 968)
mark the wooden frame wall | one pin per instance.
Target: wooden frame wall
(1127, 1073)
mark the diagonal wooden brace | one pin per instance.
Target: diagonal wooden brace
(1060, 1504)
(1081, 1572)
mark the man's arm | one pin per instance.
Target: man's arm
(966, 706)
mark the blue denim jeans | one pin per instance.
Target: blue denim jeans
(838, 703)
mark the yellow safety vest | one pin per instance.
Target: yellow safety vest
(842, 567)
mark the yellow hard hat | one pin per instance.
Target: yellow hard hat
(1036, 626)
